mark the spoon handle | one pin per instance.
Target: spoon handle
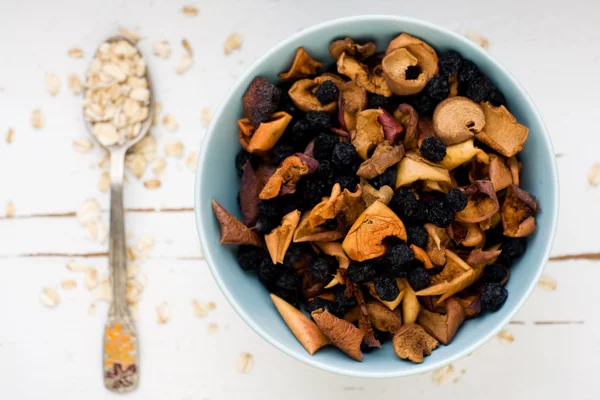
(120, 339)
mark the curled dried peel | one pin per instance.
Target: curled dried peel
(412, 342)
(334, 249)
(458, 154)
(370, 195)
(284, 180)
(515, 167)
(517, 212)
(351, 101)
(382, 318)
(302, 66)
(457, 119)
(481, 258)
(499, 172)
(266, 135)
(250, 187)
(234, 231)
(364, 241)
(373, 81)
(345, 205)
(384, 156)
(302, 94)
(349, 47)
(466, 234)
(437, 239)
(421, 256)
(280, 238)
(413, 168)
(502, 132)
(305, 233)
(306, 331)
(369, 132)
(409, 119)
(410, 306)
(443, 327)
(342, 334)
(482, 202)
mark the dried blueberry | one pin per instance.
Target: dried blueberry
(417, 235)
(250, 257)
(496, 97)
(387, 178)
(418, 278)
(324, 145)
(377, 101)
(433, 149)
(318, 120)
(456, 200)
(348, 182)
(437, 88)
(493, 296)
(327, 92)
(410, 210)
(468, 71)
(344, 155)
(326, 172)
(291, 296)
(280, 152)
(495, 273)
(312, 188)
(478, 89)
(398, 254)
(386, 287)
(319, 303)
(321, 270)
(343, 302)
(288, 279)
(424, 104)
(439, 214)
(450, 63)
(267, 273)
(294, 254)
(361, 272)
(512, 249)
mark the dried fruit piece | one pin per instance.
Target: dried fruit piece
(342, 334)
(458, 119)
(482, 203)
(260, 101)
(412, 342)
(409, 119)
(349, 47)
(304, 93)
(410, 305)
(302, 67)
(369, 132)
(280, 238)
(459, 154)
(372, 80)
(502, 132)
(443, 327)
(384, 156)
(285, 178)
(268, 133)
(234, 231)
(499, 172)
(517, 212)
(382, 318)
(413, 167)
(306, 233)
(306, 331)
(370, 195)
(352, 100)
(365, 239)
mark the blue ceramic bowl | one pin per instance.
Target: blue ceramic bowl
(216, 179)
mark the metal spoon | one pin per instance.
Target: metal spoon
(120, 353)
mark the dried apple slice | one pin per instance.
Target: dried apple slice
(482, 202)
(334, 249)
(443, 327)
(410, 306)
(515, 167)
(422, 256)
(502, 132)
(302, 66)
(284, 180)
(409, 119)
(373, 81)
(412, 342)
(517, 212)
(382, 318)
(304, 232)
(457, 119)
(364, 241)
(499, 172)
(349, 47)
(458, 154)
(481, 258)
(306, 331)
(413, 168)
(370, 195)
(392, 129)
(351, 101)
(266, 135)
(342, 334)
(401, 283)
(233, 231)
(280, 238)
(471, 305)
(437, 239)
(369, 132)
(384, 156)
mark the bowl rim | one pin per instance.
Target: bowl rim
(417, 368)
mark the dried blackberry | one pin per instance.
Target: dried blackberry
(512, 249)
(318, 120)
(410, 210)
(287, 105)
(496, 97)
(412, 72)
(326, 171)
(327, 92)
(439, 214)
(398, 254)
(288, 279)
(280, 152)
(377, 101)
(418, 278)
(294, 254)
(387, 178)
(386, 287)
(468, 71)
(343, 302)
(493, 296)
(250, 257)
(324, 144)
(478, 89)
(361, 272)
(348, 182)
(417, 235)
(312, 188)
(290, 296)
(424, 104)
(265, 225)
(456, 200)
(437, 88)
(321, 270)
(495, 273)
(301, 133)
(267, 273)
(319, 303)
(433, 149)
(344, 155)
(450, 63)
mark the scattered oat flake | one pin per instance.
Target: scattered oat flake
(152, 184)
(143, 247)
(159, 165)
(37, 119)
(594, 175)
(185, 63)
(132, 270)
(211, 305)
(75, 52)
(212, 328)
(174, 149)
(10, 134)
(91, 278)
(68, 284)
(104, 162)
(162, 313)
(104, 182)
(170, 123)
(162, 49)
(92, 309)
(192, 161)
(136, 164)
(187, 46)
(156, 116)
(443, 375)
(74, 83)
(233, 42)
(478, 38)
(200, 309)
(10, 210)
(506, 337)
(129, 34)
(89, 211)
(83, 145)
(74, 266)
(548, 283)
(52, 83)
(49, 297)
(102, 292)
(206, 117)
(244, 363)
(190, 11)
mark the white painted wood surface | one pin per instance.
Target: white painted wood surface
(550, 46)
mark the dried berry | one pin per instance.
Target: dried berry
(344, 155)
(417, 235)
(319, 303)
(291, 296)
(326, 171)
(386, 287)
(493, 296)
(294, 254)
(512, 249)
(324, 145)
(424, 104)
(321, 270)
(410, 210)
(456, 200)
(496, 97)
(438, 88)
(468, 71)
(301, 133)
(450, 63)
(280, 152)
(318, 120)
(348, 182)
(387, 178)
(433, 149)
(361, 272)
(267, 273)
(478, 89)
(250, 257)
(312, 188)
(288, 279)
(495, 273)
(327, 92)
(439, 214)
(418, 278)
(343, 302)
(398, 254)
(412, 72)
(377, 101)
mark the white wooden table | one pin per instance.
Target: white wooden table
(552, 48)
